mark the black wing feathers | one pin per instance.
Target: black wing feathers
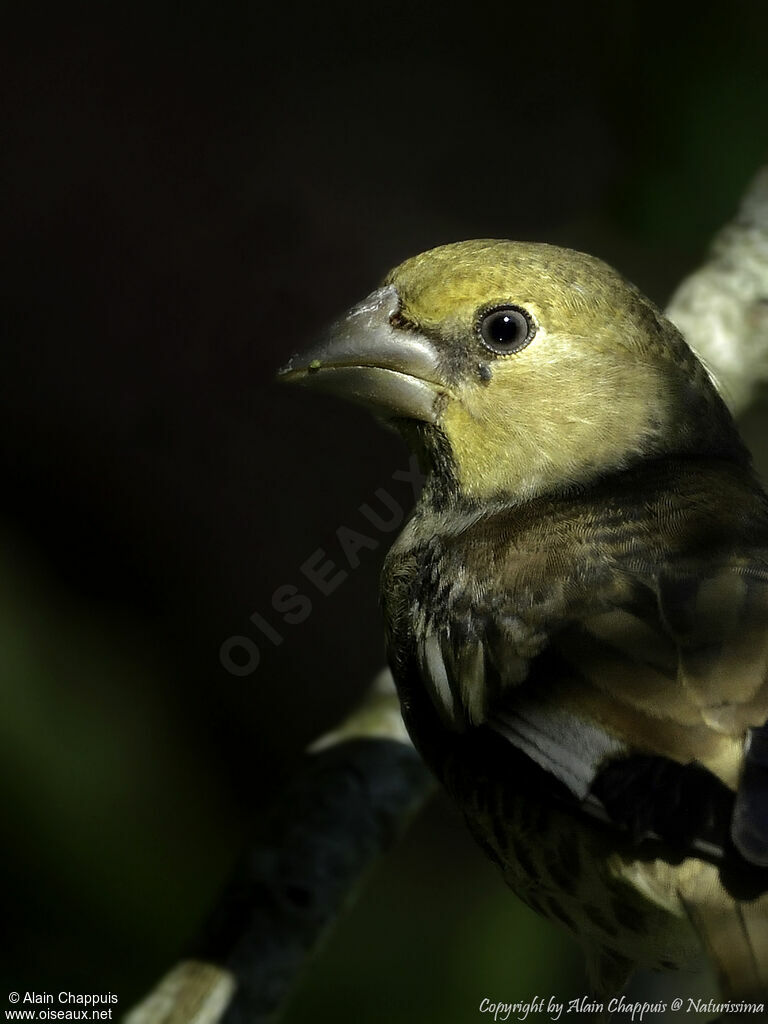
(750, 817)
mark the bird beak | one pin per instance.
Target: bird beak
(362, 357)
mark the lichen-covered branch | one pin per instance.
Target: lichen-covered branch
(722, 308)
(362, 783)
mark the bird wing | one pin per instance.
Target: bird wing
(656, 724)
(720, 626)
(665, 689)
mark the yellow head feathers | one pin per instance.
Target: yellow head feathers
(539, 367)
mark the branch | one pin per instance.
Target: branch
(355, 793)
(722, 308)
(360, 785)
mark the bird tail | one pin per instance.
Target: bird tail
(735, 936)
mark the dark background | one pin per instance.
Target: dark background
(188, 193)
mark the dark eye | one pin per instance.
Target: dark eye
(505, 330)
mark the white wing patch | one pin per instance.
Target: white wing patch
(570, 748)
(436, 676)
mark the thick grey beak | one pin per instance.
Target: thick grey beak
(364, 358)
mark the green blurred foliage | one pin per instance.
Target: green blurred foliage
(103, 805)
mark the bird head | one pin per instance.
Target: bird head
(519, 368)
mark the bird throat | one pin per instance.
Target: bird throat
(432, 448)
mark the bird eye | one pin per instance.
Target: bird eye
(505, 330)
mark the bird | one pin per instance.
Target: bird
(576, 611)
